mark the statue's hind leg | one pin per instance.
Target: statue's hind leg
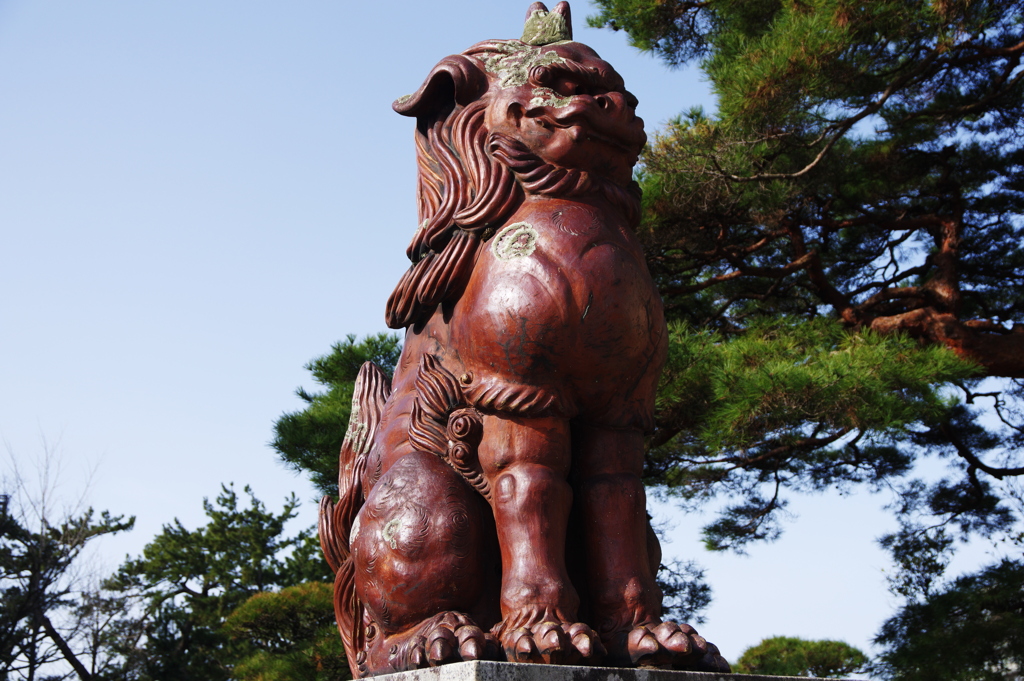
(420, 548)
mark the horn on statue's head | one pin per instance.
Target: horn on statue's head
(543, 27)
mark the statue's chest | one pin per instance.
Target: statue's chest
(620, 316)
(573, 276)
(596, 257)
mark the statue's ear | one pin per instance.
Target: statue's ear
(456, 80)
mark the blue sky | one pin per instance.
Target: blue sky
(196, 198)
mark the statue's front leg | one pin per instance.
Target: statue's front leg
(526, 463)
(626, 599)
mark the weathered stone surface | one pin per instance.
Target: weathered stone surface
(508, 671)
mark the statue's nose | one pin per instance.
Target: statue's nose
(614, 105)
(612, 102)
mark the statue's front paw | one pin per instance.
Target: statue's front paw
(665, 645)
(549, 642)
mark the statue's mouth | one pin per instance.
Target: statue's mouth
(610, 141)
(622, 138)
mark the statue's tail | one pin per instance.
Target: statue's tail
(335, 523)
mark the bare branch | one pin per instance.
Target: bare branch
(967, 455)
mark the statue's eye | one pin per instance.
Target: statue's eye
(566, 87)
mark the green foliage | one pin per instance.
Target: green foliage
(789, 656)
(921, 558)
(784, 373)
(685, 592)
(864, 165)
(190, 581)
(309, 440)
(971, 630)
(293, 633)
(800, 405)
(675, 31)
(864, 160)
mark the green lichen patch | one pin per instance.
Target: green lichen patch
(517, 240)
(544, 28)
(545, 96)
(514, 61)
(390, 532)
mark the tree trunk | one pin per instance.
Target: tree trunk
(65, 650)
(998, 351)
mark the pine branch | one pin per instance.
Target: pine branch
(966, 454)
(837, 131)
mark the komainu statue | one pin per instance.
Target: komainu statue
(490, 496)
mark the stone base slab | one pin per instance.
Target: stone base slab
(509, 671)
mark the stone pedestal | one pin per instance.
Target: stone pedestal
(508, 671)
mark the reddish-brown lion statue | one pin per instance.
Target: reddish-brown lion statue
(491, 503)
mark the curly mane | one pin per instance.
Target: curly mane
(461, 192)
(470, 181)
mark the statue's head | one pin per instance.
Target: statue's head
(572, 110)
(555, 97)
(540, 115)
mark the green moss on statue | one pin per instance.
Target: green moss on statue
(544, 28)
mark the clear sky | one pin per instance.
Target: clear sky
(198, 197)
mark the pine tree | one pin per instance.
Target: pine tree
(309, 440)
(293, 635)
(188, 583)
(970, 630)
(791, 656)
(862, 174)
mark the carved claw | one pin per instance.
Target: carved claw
(444, 638)
(523, 649)
(665, 644)
(643, 647)
(552, 640)
(553, 643)
(417, 655)
(361, 663)
(474, 644)
(441, 646)
(585, 640)
(712, 662)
